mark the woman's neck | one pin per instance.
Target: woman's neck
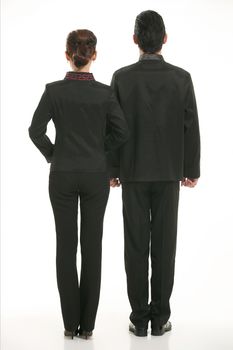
(84, 69)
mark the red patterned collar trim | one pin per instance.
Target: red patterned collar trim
(79, 76)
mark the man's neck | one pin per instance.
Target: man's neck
(145, 53)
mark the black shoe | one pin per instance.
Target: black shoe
(138, 331)
(70, 333)
(160, 330)
(84, 334)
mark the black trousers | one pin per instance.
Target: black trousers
(150, 229)
(79, 300)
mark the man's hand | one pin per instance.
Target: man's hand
(115, 182)
(189, 182)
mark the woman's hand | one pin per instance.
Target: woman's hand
(115, 182)
(189, 182)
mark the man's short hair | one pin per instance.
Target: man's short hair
(150, 31)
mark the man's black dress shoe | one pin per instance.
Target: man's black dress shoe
(138, 331)
(160, 330)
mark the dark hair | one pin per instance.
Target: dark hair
(80, 46)
(150, 31)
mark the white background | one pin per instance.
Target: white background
(200, 36)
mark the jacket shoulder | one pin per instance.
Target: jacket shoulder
(125, 69)
(53, 86)
(56, 83)
(177, 69)
(100, 85)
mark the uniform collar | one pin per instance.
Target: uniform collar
(79, 76)
(150, 56)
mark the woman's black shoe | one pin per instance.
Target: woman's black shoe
(70, 333)
(84, 334)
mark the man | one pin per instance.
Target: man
(163, 150)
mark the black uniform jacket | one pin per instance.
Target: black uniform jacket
(159, 104)
(82, 109)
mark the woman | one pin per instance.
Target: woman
(82, 109)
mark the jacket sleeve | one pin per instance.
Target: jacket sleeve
(38, 127)
(113, 156)
(191, 134)
(117, 134)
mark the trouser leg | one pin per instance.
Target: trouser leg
(64, 200)
(93, 200)
(164, 209)
(136, 213)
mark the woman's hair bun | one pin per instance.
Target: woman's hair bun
(79, 61)
(80, 46)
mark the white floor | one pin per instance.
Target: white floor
(43, 332)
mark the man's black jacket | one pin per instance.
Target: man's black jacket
(159, 104)
(82, 111)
